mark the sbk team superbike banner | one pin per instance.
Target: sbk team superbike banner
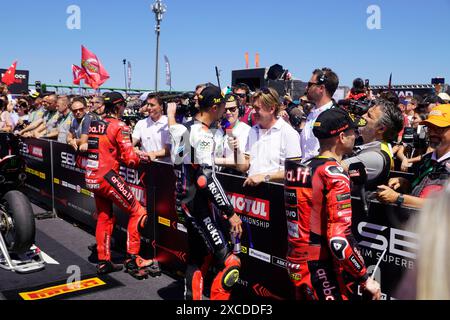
(75, 200)
(264, 242)
(38, 157)
(20, 84)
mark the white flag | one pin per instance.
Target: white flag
(168, 74)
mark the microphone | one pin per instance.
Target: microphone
(358, 175)
(231, 135)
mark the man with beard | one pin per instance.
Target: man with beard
(434, 168)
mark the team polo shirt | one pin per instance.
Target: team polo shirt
(154, 135)
(308, 141)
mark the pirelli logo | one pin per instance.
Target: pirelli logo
(164, 221)
(62, 289)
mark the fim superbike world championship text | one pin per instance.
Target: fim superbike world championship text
(224, 309)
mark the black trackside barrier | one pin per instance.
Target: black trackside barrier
(263, 246)
(38, 157)
(384, 230)
(264, 242)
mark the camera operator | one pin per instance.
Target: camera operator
(152, 133)
(383, 122)
(320, 90)
(413, 144)
(433, 170)
(293, 113)
(196, 189)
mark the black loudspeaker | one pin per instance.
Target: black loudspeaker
(295, 88)
(254, 78)
(275, 72)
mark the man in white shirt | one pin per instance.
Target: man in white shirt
(320, 90)
(269, 143)
(152, 132)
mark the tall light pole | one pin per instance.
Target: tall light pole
(159, 9)
(125, 74)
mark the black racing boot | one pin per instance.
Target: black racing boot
(106, 266)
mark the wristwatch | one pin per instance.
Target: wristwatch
(267, 178)
(400, 199)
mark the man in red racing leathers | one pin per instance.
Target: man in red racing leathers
(318, 208)
(196, 189)
(109, 142)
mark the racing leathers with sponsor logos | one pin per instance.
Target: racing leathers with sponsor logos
(321, 248)
(196, 190)
(109, 142)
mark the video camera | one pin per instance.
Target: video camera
(186, 104)
(131, 115)
(415, 139)
(356, 107)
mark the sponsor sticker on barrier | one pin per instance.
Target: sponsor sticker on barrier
(164, 221)
(279, 262)
(253, 207)
(259, 255)
(181, 227)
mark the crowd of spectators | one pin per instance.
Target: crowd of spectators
(404, 138)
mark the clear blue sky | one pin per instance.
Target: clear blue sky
(196, 35)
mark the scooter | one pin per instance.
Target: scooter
(17, 226)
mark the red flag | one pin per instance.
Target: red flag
(78, 74)
(9, 76)
(96, 74)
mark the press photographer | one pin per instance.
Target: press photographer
(383, 120)
(414, 144)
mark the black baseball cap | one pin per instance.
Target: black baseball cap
(113, 98)
(333, 121)
(209, 97)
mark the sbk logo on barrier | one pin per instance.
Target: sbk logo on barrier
(253, 207)
(34, 151)
(398, 242)
(131, 175)
(71, 160)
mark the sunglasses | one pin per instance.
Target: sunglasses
(310, 84)
(241, 95)
(232, 109)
